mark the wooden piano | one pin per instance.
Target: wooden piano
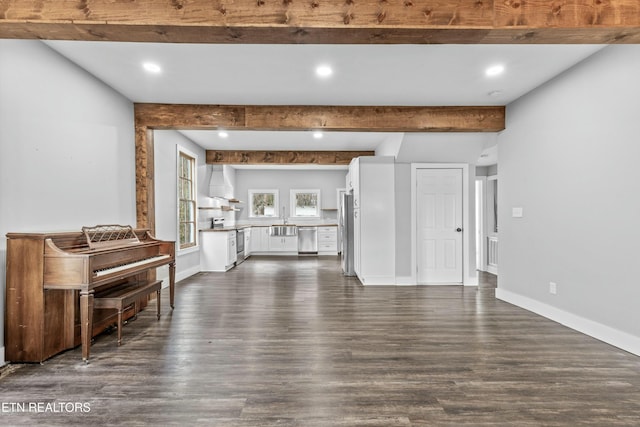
(52, 279)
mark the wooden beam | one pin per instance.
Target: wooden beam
(325, 21)
(145, 174)
(188, 116)
(378, 119)
(337, 118)
(217, 157)
(330, 118)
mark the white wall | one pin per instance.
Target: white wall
(569, 157)
(391, 144)
(284, 180)
(67, 155)
(443, 147)
(403, 223)
(486, 170)
(166, 196)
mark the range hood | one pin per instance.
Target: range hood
(219, 185)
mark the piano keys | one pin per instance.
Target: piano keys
(51, 280)
(123, 267)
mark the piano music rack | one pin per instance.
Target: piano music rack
(109, 235)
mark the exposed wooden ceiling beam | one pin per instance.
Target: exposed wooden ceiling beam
(325, 21)
(333, 118)
(251, 117)
(219, 157)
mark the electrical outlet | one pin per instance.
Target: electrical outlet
(553, 288)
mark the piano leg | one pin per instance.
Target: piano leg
(86, 322)
(172, 282)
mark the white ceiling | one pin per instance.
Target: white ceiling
(287, 140)
(284, 75)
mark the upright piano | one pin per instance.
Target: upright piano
(52, 279)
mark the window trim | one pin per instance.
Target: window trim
(292, 202)
(192, 246)
(276, 202)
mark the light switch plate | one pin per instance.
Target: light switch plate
(517, 212)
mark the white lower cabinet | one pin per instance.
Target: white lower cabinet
(263, 242)
(283, 244)
(247, 242)
(218, 250)
(327, 240)
(232, 252)
(259, 239)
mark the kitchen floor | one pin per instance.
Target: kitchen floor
(289, 341)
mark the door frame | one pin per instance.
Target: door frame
(467, 278)
(483, 224)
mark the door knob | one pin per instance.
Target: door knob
(458, 229)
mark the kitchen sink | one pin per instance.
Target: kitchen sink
(283, 230)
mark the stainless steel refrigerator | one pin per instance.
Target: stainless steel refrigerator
(346, 230)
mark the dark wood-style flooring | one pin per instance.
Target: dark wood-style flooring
(291, 342)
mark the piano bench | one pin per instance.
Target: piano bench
(123, 296)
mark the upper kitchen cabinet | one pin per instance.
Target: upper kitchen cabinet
(353, 179)
(372, 180)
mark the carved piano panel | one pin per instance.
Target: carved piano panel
(51, 278)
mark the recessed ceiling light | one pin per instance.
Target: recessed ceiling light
(495, 70)
(223, 134)
(317, 135)
(151, 67)
(324, 71)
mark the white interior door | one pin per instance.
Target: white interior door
(439, 224)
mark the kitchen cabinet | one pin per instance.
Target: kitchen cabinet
(373, 182)
(283, 244)
(218, 251)
(263, 242)
(356, 238)
(259, 239)
(247, 242)
(232, 252)
(327, 240)
(354, 181)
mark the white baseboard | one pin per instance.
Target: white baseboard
(378, 280)
(616, 338)
(268, 253)
(405, 281)
(187, 273)
(471, 281)
(180, 275)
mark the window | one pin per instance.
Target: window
(305, 203)
(186, 200)
(263, 203)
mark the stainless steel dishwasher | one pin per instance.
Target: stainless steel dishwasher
(307, 240)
